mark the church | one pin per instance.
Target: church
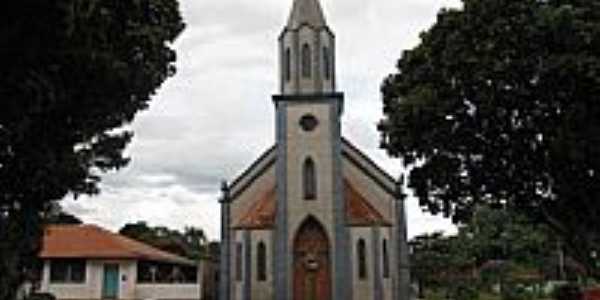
(313, 218)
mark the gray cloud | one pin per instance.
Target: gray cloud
(238, 17)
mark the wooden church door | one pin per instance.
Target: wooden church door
(312, 270)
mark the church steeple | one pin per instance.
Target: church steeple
(306, 12)
(307, 51)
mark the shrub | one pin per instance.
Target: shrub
(568, 292)
(464, 292)
(516, 292)
(41, 296)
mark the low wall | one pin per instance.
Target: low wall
(168, 291)
(71, 291)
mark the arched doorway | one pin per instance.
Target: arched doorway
(312, 268)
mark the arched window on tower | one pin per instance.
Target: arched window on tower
(287, 65)
(261, 261)
(306, 61)
(326, 63)
(309, 179)
(386, 259)
(361, 250)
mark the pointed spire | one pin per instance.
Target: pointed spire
(306, 12)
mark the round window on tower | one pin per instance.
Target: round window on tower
(308, 122)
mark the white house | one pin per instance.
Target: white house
(88, 262)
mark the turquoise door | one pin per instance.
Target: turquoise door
(110, 286)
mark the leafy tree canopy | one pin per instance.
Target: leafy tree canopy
(73, 73)
(191, 242)
(496, 238)
(500, 104)
(57, 215)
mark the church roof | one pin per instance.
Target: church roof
(358, 210)
(306, 12)
(349, 151)
(261, 215)
(93, 242)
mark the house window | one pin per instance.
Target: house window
(326, 63)
(238, 261)
(287, 65)
(261, 262)
(361, 250)
(67, 271)
(306, 61)
(309, 177)
(165, 273)
(386, 259)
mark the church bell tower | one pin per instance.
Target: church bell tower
(307, 51)
(309, 187)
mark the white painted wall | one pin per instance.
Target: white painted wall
(363, 288)
(316, 144)
(128, 288)
(128, 279)
(237, 285)
(89, 289)
(262, 289)
(388, 283)
(168, 291)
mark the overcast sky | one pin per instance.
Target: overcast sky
(215, 117)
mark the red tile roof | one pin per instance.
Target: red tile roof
(93, 242)
(261, 215)
(358, 210)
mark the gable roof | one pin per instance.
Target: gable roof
(368, 167)
(349, 151)
(261, 215)
(253, 172)
(359, 211)
(93, 242)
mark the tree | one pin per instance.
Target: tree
(428, 257)
(54, 214)
(65, 218)
(493, 247)
(439, 261)
(500, 104)
(197, 241)
(139, 231)
(506, 247)
(494, 234)
(74, 73)
(191, 243)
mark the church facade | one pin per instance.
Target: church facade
(313, 218)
